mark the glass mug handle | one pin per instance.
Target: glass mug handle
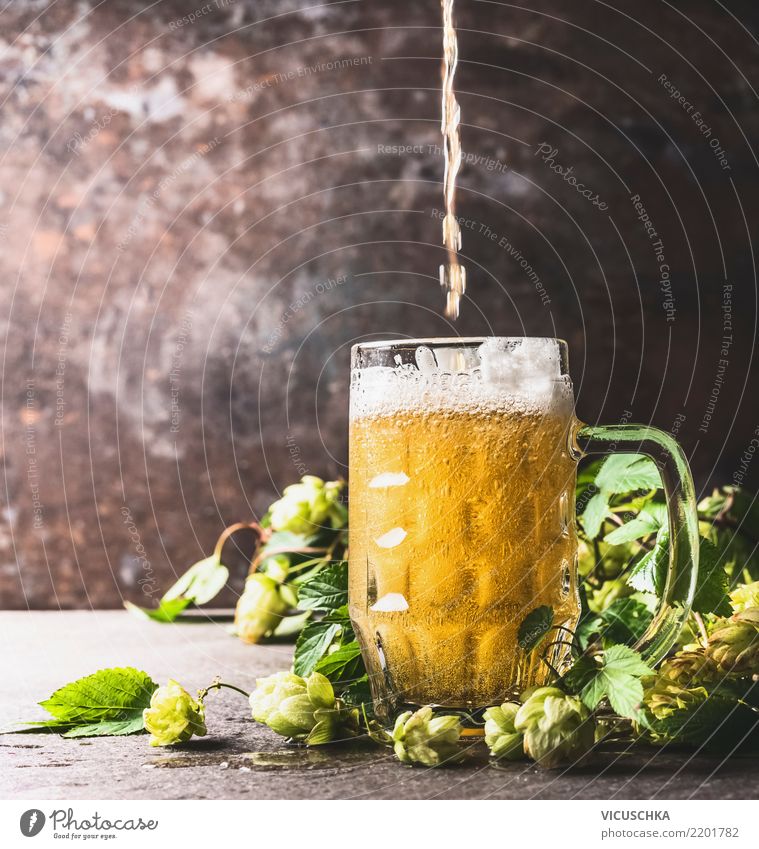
(674, 605)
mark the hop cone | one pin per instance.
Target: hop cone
(745, 596)
(503, 740)
(422, 738)
(665, 697)
(557, 728)
(302, 708)
(734, 646)
(690, 669)
(307, 506)
(173, 716)
(259, 609)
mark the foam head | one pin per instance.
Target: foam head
(496, 373)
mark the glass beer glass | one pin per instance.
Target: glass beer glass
(463, 460)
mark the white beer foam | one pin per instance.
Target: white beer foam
(391, 538)
(390, 603)
(389, 479)
(510, 375)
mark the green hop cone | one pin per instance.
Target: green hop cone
(734, 644)
(259, 609)
(665, 698)
(304, 709)
(558, 729)
(745, 596)
(423, 738)
(173, 716)
(503, 740)
(691, 669)
(307, 506)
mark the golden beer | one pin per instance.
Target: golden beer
(461, 523)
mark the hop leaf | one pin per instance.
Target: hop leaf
(558, 729)
(422, 738)
(616, 677)
(173, 716)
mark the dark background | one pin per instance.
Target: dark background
(175, 197)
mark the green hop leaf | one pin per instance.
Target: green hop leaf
(174, 716)
(625, 621)
(649, 574)
(558, 729)
(594, 514)
(628, 473)
(534, 627)
(647, 522)
(501, 737)
(318, 639)
(616, 676)
(326, 590)
(712, 582)
(115, 694)
(426, 739)
(260, 609)
(202, 582)
(619, 473)
(343, 664)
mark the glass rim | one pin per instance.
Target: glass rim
(451, 341)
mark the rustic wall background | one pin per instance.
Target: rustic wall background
(203, 205)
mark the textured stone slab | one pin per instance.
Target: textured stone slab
(242, 760)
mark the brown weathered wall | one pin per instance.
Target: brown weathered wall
(197, 219)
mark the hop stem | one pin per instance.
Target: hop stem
(217, 685)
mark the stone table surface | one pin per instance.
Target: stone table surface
(240, 759)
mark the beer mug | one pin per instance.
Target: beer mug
(463, 465)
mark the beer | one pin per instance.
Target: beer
(460, 524)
